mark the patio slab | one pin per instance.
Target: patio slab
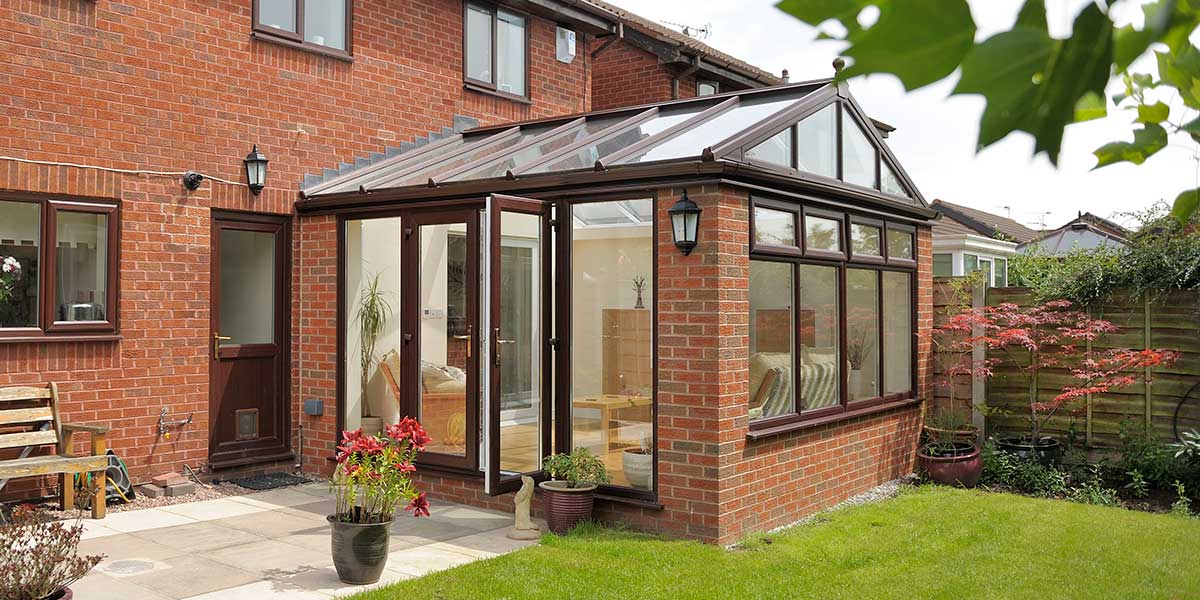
(272, 544)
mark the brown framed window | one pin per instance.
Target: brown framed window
(322, 25)
(831, 329)
(58, 266)
(495, 50)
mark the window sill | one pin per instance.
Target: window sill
(766, 432)
(333, 53)
(490, 92)
(46, 339)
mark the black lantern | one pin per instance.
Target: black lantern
(685, 222)
(256, 170)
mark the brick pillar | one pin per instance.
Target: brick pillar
(314, 337)
(703, 338)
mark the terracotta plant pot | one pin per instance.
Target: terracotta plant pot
(566, 507)
(360, 550)
(1047, 451)
(959, 465)
(638, 466)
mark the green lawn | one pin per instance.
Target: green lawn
(928, 543)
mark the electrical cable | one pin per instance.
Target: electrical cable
(115, 170)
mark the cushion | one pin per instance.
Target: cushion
(437, 378)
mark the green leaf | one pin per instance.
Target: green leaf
(1035, 84)
(1003, 69)
(1185, 205)
(1146, 141)
(1192, 129)
(918, 41)
(1090, 106)
(1033, 14)
(1181, 70)
(815, 12)
(1082, 64)
(1128, 43)
(1153, 113)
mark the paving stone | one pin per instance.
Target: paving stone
(168, 479)
(268, 555)
(199, 537)
(152, 491)
(181, 489)
(191, 575)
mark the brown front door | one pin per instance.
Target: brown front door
(248, 341)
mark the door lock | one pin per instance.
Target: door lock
(500, 342)
(217, 339)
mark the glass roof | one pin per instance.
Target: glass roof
(709, 126)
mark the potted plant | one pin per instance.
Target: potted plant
(372, 314)
(10, 270)
(371, 479)
(569, 492)
(950, 455)
(638, 464)
(858, 345)
(39, 557)
(639, 286)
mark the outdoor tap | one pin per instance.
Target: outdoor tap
(164, 425)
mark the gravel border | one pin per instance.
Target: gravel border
(213, 491)
(884, 491)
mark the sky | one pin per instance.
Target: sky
(936, 134)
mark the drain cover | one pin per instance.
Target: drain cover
(268, 482)
(129, 567)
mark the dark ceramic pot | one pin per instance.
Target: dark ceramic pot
(957, 465)
(63, 594)
(566, 507)
(360, 550)
(1047, 451)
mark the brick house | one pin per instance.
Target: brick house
(447, 155)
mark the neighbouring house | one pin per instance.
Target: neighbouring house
(646, 62)
(1084, 232)
(539, 296)
(966, 240)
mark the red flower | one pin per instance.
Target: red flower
(419, 506)
(405, 467)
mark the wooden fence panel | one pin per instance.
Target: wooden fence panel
(1169, 403)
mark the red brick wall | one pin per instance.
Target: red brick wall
(625, 75)
(173, 85)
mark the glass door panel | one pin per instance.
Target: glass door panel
(444, 338)
(517, 276)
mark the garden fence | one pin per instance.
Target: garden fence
(1168, 405)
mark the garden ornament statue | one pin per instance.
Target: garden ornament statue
(523, 527)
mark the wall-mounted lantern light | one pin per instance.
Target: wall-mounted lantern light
(685, 223)
(256, 170)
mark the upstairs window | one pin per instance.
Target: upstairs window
(58, 262)
(495, 49)
(322, 24)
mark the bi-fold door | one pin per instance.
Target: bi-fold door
(517, 339)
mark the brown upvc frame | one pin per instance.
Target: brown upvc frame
(880, 226)
(842, 262)
(499, 482)
(48, 328)
(493, 87)
(564, 314)
(843, 235)
(912, 235)
(296, 39)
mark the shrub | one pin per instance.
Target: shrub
(38, 556)
(1026, 476)
(1160, 255)
(1183, 505)
(1160, 465)
(1093, 491)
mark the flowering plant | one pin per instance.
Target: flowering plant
(38, 556)
(1050, 335)
(10, 270)
(373, 476)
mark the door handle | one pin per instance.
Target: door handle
(217, 339)
(500, 342)
(467, 337)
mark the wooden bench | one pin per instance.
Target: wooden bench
(29, 418)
